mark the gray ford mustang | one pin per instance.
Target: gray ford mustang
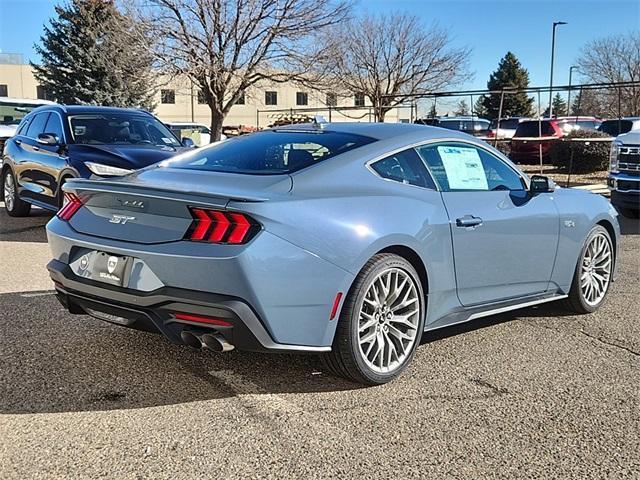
(347, 240)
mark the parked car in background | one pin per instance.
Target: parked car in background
(55, 143)
(624, 173)
(12, 111)
(347, 240)
(506, 127)
(618, 126)
(199, 133)
(569, 124)
(478, 127)
(531, 136)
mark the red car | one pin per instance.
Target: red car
(530, 136)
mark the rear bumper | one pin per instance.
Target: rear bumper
(154, 311)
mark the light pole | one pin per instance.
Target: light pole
(569, 96)
(553, 47)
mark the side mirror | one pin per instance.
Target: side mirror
(50, 139)
(541, 184)
(187, 142)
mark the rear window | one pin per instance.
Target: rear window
(531, 129)
(615, 127)
(271, 152)
(510, 124)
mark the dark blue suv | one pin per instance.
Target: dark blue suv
(55, 143)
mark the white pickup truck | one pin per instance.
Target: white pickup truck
(624, 173)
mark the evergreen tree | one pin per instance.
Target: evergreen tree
(433, 113)
(479, 109)
(559, 107)
(92, 54)
(510, 74)
(462, 108)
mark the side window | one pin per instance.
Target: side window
(404, 167)
(37, 125)
(54, 126)
(465, 167)
(24, 126)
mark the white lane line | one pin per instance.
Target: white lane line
(38, 294)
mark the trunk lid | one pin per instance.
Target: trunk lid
(152, 206)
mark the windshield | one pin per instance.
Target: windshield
(11, 113)
(120, 129)
(615, 127)
(270, 152)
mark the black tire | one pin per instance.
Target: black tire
(576, 302)
(18, 207)
(346, 358)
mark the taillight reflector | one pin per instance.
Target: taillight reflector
(191, 317)
(216, 226)
(336, 304)
(71, 205)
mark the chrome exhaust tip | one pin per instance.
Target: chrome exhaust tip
(190, 339)
(216, 342)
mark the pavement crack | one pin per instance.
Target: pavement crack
(486, 384)
(611, 343)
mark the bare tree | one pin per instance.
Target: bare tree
(386, 56)
(614, 59)
(226, 46)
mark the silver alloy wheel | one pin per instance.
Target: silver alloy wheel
(388, 320)
(9, 191)
(596, 269)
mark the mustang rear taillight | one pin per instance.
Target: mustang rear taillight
(72, 204)
(216, 226)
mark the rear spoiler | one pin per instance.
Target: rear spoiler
(120, 187)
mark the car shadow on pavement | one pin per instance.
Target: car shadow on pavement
(24, 229)
(52, 361)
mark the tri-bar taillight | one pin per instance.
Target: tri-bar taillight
(72, 204)
(216, 226)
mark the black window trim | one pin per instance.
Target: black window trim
(372, 162)
(442, 141)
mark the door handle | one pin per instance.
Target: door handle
(468, 221)
(18, 142)
(35, 148)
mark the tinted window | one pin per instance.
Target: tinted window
(54, 126)
(450, 124)
(37, 125)
(510, 124)
(530, 129)
(271, 152)
(615, 127)
(120, 129)
(404, 167)
(464, 167)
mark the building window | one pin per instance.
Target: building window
(201, 98)
(332, 100)
(41, 93)
(358, 99)
(167, 96)
(271, 98)
(302, 98)
(241, 100)
(4, 91)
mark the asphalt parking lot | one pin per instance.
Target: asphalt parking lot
(530, 394)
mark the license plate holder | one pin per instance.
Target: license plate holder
(111, 269)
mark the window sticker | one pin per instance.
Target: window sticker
(167, 140)
(464, 168)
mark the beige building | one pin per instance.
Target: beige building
(178, 101)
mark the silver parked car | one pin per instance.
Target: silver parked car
(348, 240)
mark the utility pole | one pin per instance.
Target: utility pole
(553, 47)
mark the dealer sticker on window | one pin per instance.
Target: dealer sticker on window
(464, 168)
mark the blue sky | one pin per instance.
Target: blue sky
(490, 28)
